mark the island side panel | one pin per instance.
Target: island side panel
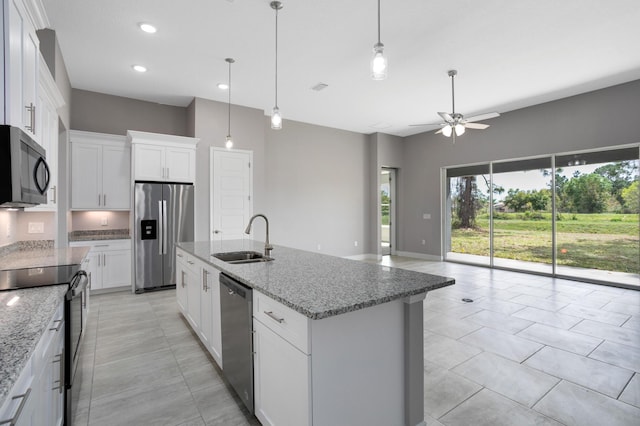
(414, 360)
(357, 367)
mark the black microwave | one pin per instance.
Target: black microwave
(24, 173)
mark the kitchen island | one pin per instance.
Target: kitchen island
(336, 341)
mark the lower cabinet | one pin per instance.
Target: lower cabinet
(281, 375)
(109, 263)
(37, 397)
(198, 297)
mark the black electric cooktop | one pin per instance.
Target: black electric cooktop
(14, 279)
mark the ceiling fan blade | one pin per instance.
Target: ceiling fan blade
(426, 124)
(439, 131)
(446, 116)
(482, 117)
(479, 126)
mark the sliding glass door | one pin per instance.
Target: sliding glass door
(571, 215)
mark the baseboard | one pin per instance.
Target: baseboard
(365, 256)
(420, 256)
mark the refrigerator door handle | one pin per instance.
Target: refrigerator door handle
(160, 229)
(164, 226)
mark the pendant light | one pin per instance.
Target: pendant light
(276, 118)
(378, 61)
(229, 141)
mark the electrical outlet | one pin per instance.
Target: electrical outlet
(319, 247)
(426, 216)
(355, 243)
(424, 242)
(36, 228)
(104, 221)
(9, 229)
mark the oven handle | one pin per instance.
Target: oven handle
(78, 285)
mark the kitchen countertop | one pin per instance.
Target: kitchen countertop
(43, 257)
(99, 235)
(317, 285)
(22, 326)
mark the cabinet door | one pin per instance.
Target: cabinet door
(149, 162)
(30, 57)
(86, 176)
(181, 165)
(216, 331)
(193, 290)
(116, 268)
(206, 322)
(93, 267)
(116, 177)
(181, 285)
(281, 380)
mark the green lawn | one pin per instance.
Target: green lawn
(597, 241)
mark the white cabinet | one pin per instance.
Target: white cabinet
(163, 158)
(108, 262)
(100, 172)
(49, 100)
(20, 69)
(281, 364)
(198, 296)
(210, 331)
(37, 397)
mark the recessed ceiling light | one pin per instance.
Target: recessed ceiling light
(147, 28)
(140, 68)
(320, 86)
(223, 86)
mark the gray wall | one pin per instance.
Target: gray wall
(210, 125)
(607, 117)
(317, 186)
(98, 112)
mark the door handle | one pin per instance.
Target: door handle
(160, 229)
(204, 279)
(217, 231)
(164, 226)
(55, 194)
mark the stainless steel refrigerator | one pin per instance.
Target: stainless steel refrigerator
(163, 216)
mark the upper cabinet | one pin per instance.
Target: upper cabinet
(100, 172)
(20, 70)
(49, 100)
(163, 158)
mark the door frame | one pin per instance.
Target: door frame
(212, 152)
(393, 177)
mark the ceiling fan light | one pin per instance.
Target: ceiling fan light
(276, 119)
(378, 63)
(447, 130)
(460, 129)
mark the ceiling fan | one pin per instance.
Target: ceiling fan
(455, 124)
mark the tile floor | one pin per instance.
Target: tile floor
(528, 350)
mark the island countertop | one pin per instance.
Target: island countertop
(317, 285)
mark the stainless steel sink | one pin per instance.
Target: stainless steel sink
(240, 257)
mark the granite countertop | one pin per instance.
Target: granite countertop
(317, 285)
(22, 326)
(98, 235)
(42, 257)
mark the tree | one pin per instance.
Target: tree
(621, 174)
(466, 201)
(631, 197)
(588, 193)
(521, 201)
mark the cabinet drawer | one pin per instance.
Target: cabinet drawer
(189, 261)
(284, 321)
(103, 245)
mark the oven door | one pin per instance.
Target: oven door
(75, 308)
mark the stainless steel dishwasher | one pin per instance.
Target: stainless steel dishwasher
(236, 305)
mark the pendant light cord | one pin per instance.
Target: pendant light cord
(378, 21)
(229, 104)
(276, 57)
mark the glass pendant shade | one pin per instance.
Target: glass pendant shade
(276, 119)
(378, 63)
(460, 129)
(447, 130)
(229, 142)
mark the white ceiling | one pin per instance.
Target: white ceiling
(509, 54)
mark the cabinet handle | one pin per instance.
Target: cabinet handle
(99, 260)
(56, 329)
(31, 127)
(179, 255)
(60, 382)
(104, 200)
(99, 199)
(55, 194)
(189, 262)
(168, 173)
(14, 420)
(104, 260)
(271, 315)
(102, 245)
(204, 279)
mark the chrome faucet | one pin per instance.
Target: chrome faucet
(267, 247)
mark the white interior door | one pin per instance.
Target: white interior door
(231, 193)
